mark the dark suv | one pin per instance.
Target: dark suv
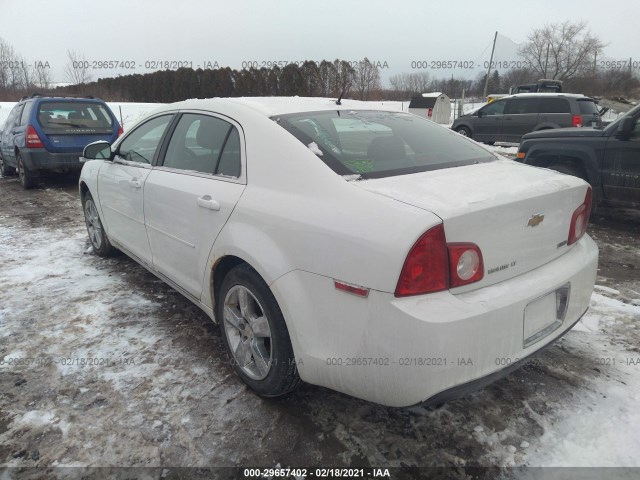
(607, 158)
(509, 118)
(48, 134)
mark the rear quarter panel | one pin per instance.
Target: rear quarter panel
(297, 214)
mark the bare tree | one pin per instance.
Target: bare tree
(343, 77)
(409, 84)
(327, 73)
(518, 76)
(42, 77)
(366, 79)
(77, 70)
(561, 50)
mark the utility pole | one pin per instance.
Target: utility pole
(486, 81)
(546, 61)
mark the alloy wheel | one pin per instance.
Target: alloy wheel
(248, 333)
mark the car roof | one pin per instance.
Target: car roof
(66, 99)
(270, 106)
(547, 95)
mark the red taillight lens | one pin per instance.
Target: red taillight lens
(32, 139)
(433, 265)
(426, 268)
(580, 219)
(465, 264)
(576, 120)
(120, 131)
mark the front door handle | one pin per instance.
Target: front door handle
(135, 183)
(207, 202)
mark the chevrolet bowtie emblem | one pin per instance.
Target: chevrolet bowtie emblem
(535, 220)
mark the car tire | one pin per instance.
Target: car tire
(255, 333)
(26, 177)
(464, 131)
(6, 170)
(97, 236)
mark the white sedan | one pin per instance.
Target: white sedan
(369, 251)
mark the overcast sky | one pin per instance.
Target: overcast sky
(397, 32)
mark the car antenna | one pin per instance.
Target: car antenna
(339, 101)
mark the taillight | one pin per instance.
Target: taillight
(580, 219)
(120, 131)
(576, 120)
(465, 263)
(426, 268)
(432, 265)
(33, 140)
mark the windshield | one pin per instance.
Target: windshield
(74, 118)
(374, 144)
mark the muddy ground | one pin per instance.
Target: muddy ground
(164, 395)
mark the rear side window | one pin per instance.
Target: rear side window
(554, 105)
(375, 144)
(74, 118)
(519, 106)
(24, 119)
(587, 107)
(14, 119)
(204, 144)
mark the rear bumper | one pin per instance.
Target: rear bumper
(464, 389)
(424, 349)
(41, 160)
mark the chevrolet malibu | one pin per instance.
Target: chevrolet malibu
(369, 251)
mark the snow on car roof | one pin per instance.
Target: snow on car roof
(270, 106)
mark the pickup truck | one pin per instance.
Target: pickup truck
(608, 158)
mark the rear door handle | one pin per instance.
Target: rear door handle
(135, 183)
(207, 202)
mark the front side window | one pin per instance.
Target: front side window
(494, 108)
(521, 106)
(142, 143)
(204, 144)
(375, 144)
(74, 117)
(12, 117)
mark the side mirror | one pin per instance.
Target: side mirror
(99, 150)
(627, 124)
(480, 113)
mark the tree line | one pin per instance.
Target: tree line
(309, 79)
(566, 51)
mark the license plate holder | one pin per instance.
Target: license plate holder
(544, 315)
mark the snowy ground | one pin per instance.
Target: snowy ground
(101, 364)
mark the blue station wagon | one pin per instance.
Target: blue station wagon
(48, 134)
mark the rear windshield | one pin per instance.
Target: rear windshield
(74, 118)
(373, 144)
(587, 107)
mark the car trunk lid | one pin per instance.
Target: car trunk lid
(518, 215)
